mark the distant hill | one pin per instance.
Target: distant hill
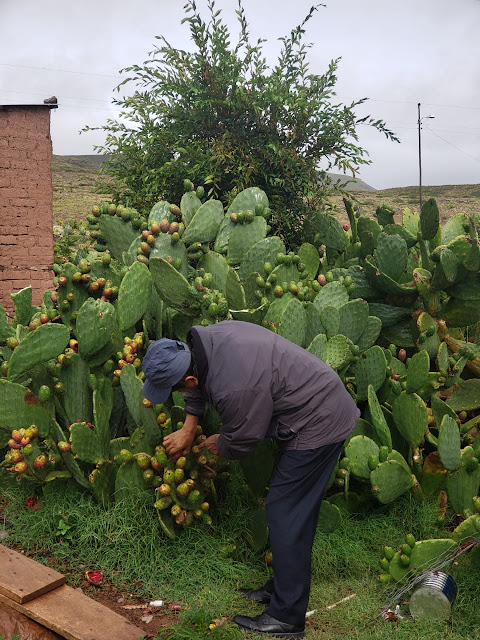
(355, 185)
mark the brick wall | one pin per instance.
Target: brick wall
(26, 201)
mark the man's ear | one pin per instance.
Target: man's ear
(191, 382)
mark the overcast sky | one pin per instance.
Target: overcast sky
(395, 53)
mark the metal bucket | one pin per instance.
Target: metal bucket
(434, 597)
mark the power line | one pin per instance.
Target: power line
(452, 145)
(84, 73)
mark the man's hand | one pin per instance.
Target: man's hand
(179, 442)
(210, 444)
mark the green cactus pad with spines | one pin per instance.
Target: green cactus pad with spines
(332, 294)
(411, 221)
(223, 235)
(244, 237)
(318, 346)
(173, 288)
(466, 397)
(384, 215)
(368, 232)
(283, 273)
(215, 264)
(96, 322)
(234, 291)
(358, 451)
(329, 231)
(68, 458)
(313, 323)
(38, 346)
(390, 480)
(397, 230)
(397, 456)
(252, 198)
(449, 262)
(442, 357)
(164, 248)
(384, 283)
(276, 309)
(466, 289)
(431, 343)
(77, 399)
(399, 334)
(417, 371)
(441, 409)
(425, 555)
(370, 369)
(461, 313)
(6, 330)
(391, 255)
(411, 417)
(85, 443)
(330, 319)
(102, 482)
(166, 522)
(429, 219)
(370, 334)
(310, 258)
(353, 318)
(337, 353)
(462, 485)
(24, 309)
(205, 223)
(133, 295)
(20, 409)
(189, 205)
(160, 211)
(102, 410)
(129, 479)
(118, 234)
(79, 291)
(469, 528)
(388, 314)
(132, 389)
(261, 252)
(449, 444)
(378, 419)
(329, 517)
(250, 288)
(292, 322)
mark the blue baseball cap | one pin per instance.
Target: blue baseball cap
(164, 364)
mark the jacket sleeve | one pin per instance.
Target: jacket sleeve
(246, 416)
(194, 403)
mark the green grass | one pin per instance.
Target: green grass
(127, 544)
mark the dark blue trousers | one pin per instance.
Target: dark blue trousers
(292, 507)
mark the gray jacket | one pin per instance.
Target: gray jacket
(265, 386)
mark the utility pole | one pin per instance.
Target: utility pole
(420, 152)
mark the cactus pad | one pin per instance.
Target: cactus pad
(411, 417)
(370, 369)
(134, 295)
(205, 223)
(449, 444)
(38, 346)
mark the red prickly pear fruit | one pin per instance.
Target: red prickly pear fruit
(14, 445)
(32, 431)
(145, 247)
(175, 210)
(155, 228)
(54, 297)
(24, 441)
(34, 324)
(146, 403)
(40, 461)
(17, 435)
(85, 278)
(101, 283)
(173, 228)
(322, 280)
(94, 577)
(64, 447)
(44, 318)
(21, 467)
(73, 344)
(15, 456)
(278, 292)
(346, 227)
(151, 239)
(145, 234)
(233, 218)
(402, 354)
(62, 281)
(164, 226)
(12, 343)
(165, 489)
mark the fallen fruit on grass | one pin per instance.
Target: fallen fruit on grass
(94, 577)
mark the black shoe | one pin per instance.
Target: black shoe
(257, 595)
(266, 624)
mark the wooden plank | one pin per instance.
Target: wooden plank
(22, 579)
(75, 616)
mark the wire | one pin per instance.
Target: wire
(84, 73)
(452, 145)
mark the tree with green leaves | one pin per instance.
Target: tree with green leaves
(221, 117)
